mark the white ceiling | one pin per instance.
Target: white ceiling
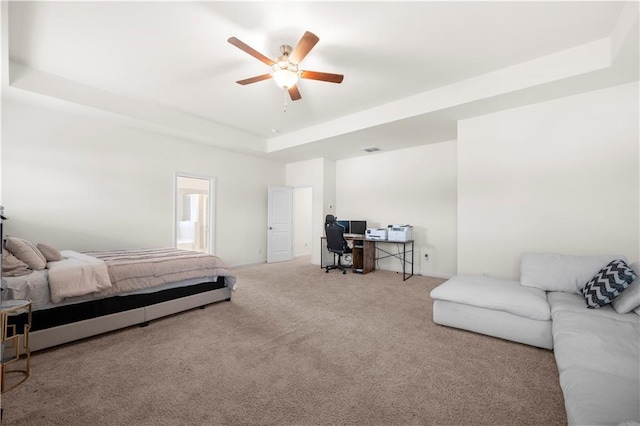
(167, 65)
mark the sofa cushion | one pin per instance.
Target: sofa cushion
(596, 398)
(492, 322)
(630, 298)
(608, 283)
(497, 294)
(597, 353)
(574, 303)
(582, 335)
(559, 272)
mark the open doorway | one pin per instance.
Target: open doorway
(194, 207)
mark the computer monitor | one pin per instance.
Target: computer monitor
(358, 227)
(345, 224)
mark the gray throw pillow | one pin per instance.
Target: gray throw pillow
(630, 298)
(12, 266)
(26, 252)
(50, 253)
(607, 284)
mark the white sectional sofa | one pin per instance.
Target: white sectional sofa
(495, 307)
(597, 350)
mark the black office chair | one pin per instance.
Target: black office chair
(336, 243)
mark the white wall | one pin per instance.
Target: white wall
(80, 183)
(415, 186)
(556, 176)
(302, 221)
(559, 176)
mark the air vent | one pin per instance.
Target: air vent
(370, 148)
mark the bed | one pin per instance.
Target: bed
(84, 294)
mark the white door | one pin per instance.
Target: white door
(280, 224)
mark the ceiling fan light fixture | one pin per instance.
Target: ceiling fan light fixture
(286, 70)
(284, 77)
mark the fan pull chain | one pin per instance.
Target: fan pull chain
(284, 110)
(285, 100)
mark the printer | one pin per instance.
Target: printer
(376, 233)
(400, 233)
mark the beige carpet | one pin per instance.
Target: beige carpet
(295, 346)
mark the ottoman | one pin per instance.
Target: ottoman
(495, 307)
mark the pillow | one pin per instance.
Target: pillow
(50, 253)
(630, 298)
(608, 283)
(12, 266)
(26, 252)
(560, 272)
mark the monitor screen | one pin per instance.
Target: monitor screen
(358, 227)
(345, 225)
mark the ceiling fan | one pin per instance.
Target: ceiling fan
(286, 67)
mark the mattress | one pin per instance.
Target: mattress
(35, 287)
(73, 312)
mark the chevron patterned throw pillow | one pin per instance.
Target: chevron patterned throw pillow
(608, 283)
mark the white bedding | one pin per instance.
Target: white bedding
(77, 274)
(74, 276)
(83, 274)
(33, 286)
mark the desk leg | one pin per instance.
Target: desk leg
(412, 251)
(368, 256)
(404, 261)
(357, 257)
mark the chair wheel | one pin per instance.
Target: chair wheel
(326, 270)
(344, 272)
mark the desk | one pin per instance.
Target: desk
(401, 255)
(367, 251)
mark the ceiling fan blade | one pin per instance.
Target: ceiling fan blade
(322, 76)
(304, 46)
(251, 51)
(254, 79)
(294, 93)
